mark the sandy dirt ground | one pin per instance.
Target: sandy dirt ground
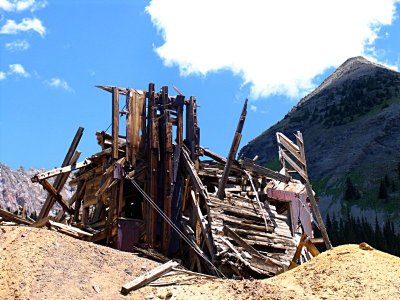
(43, 264)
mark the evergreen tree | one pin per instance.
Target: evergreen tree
(382, 191)
(351, 192)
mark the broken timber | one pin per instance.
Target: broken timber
(233, 223)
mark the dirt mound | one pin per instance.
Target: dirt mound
(41, 264)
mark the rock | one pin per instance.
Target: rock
(96, 288)
(365, 246)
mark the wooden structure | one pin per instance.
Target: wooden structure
(220, 216)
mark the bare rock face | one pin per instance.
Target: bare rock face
(17, 190)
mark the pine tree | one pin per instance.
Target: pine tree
(382, 191)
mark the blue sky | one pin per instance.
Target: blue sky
(53, 53)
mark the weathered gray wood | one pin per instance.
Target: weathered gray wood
(148, 277)
(232, 153)
(56, 195)
(204, 228)
(60, 180)
(318, 216)
(115, 122)
(251, 166)
(13, 218)
(193, 174)
(60, 171)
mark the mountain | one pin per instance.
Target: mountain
(351, 130)
(16, 189)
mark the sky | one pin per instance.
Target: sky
(53, 53)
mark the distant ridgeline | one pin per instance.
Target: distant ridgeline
(351, 128)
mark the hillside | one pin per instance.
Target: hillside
(16, 189)
(43, 264)
(351, 128)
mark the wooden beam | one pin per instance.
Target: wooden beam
(148, 277)
(61, 179)
(56, 195)
(232, 153)
(13, 218)
(193, 174)
(166, 148)
(297, 254)
(152, 148)
(115, 122)
(122, 91)
(311, 247)
(318, 216)
(204, 227)
(251, 166)
(60, 171)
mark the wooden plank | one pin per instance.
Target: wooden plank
(204, 229)
(166, 148)
(311, 247)
(229, 232)
(122, 91)
(130, 115)
(13, 218)
(41, 223)
(298, 249)
(61, 179)
(249, 164)
(60, 171)
(56, 195)
(115, 122)
(232, 153)
(193, 174)
(294, 165)
(148, 277)
(152, 160)
(318, 216)
(288, 147)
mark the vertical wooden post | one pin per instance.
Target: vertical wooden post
(179, 119)
(151, 216)
(232, 153)
(129, 126)
(115, 122)
(192, 130)
(166, 151)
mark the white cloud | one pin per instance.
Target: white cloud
(21, 5)
(59, 83)
(18, 45)
(17, 69)
(27, 24)
(2, 75)
(253, 107)
(278, 47)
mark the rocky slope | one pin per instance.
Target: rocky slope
(16, 189)
(351, 128)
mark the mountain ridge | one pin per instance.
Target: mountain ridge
(351, 128)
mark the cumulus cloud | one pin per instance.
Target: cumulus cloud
(17, 45)
(2, 75)
(21, 5)
(17, 69)
(253, 107)
(27, 24)
(59, 83)
(278, 47)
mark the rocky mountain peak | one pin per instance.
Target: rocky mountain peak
(352, 69)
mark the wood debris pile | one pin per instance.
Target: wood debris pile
(148, 189)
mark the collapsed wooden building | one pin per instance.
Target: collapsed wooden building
(152, 186)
